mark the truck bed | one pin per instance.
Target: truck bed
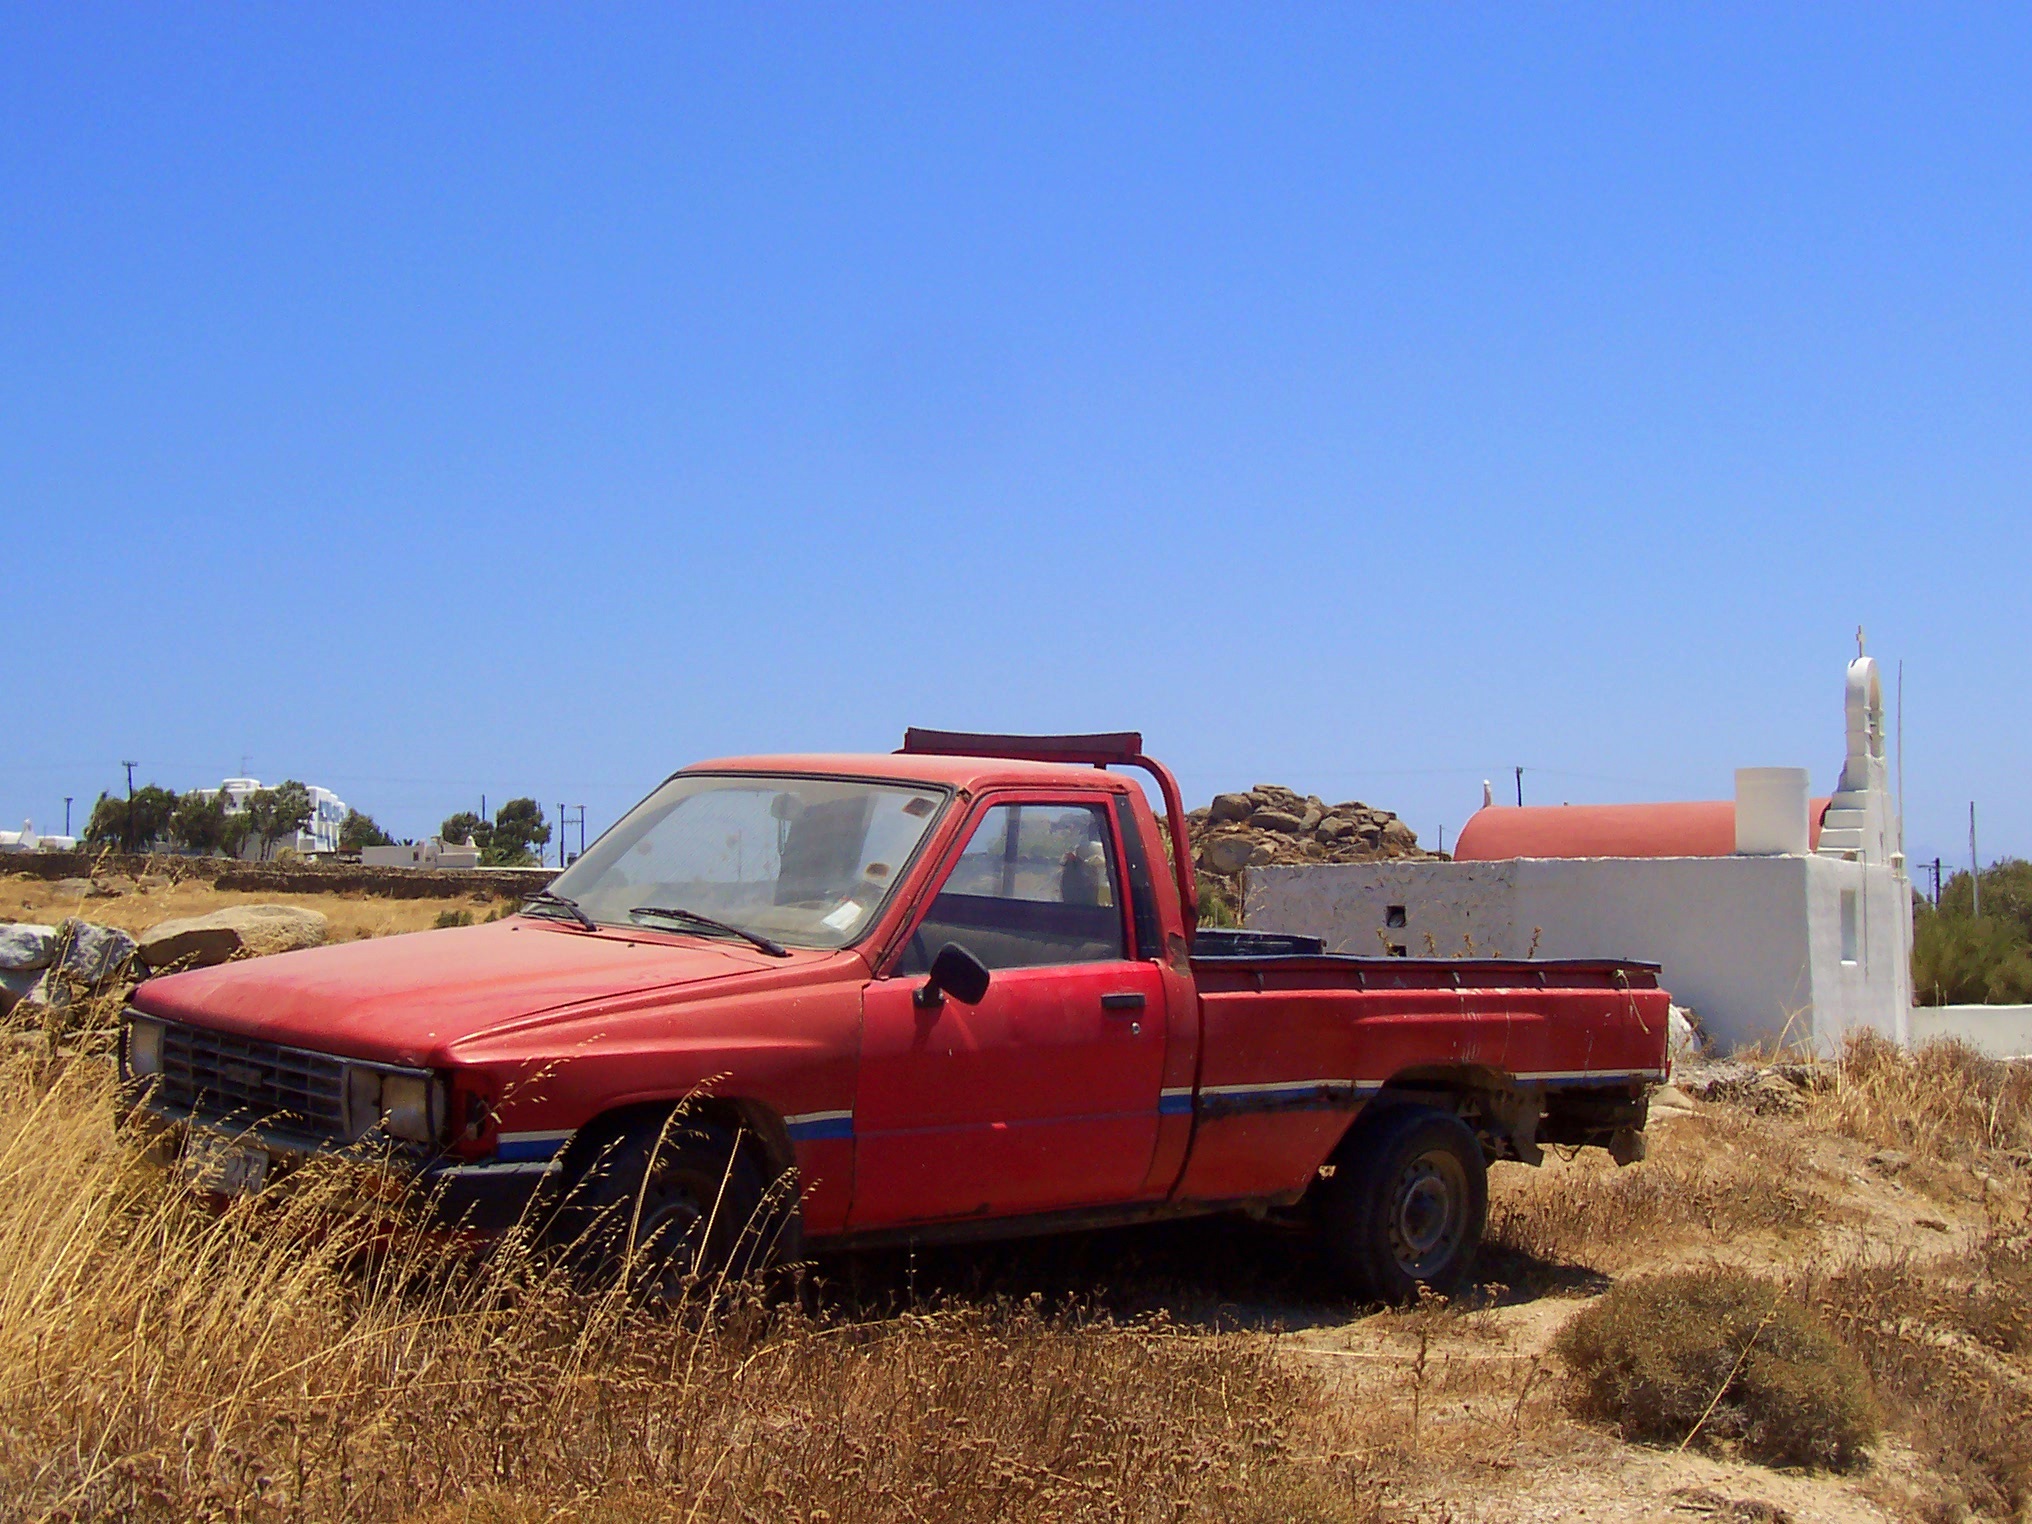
(1295, 1040)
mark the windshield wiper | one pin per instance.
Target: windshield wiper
(565, 903)
(693, 918)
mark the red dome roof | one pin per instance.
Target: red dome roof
(1694, 828)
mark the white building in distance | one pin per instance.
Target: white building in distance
(321, 835)
(1776, 918)
(433, 853)
(28, 840)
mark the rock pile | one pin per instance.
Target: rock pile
(76, 961)
(59, 966)
(1273, 824)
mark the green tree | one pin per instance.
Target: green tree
(133, 825)
(108, 825)
(518, 826)
(464, 827)
(1960, 958)
(198, 823)
(234, 833)
(274, 813)
(357, 831)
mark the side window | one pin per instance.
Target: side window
(1036, 885)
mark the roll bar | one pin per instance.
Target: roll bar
(1120, 748)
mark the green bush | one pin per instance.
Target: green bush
(1724, 1358)
(1961, 958)
(1970, 960)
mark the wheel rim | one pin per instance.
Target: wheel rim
(1430, 1218)
(668, 1238)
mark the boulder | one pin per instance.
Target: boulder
(1399, 837)
(15, 983)
(240, 931)
(25, 946)
(90, 954)
(1230, 807)
(1667, 1099)
(1228, 854)
(1308, 822)
(1278, 820)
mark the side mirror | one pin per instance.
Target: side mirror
(955, 972)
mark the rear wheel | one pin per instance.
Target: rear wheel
(670, 1206)
(1406, 1205)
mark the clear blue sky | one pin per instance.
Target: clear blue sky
(529, 400)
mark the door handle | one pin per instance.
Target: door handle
(1127, 1002)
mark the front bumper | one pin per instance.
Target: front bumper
(484, 1198)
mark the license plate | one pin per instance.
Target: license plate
(222, 1167)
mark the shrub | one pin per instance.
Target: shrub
(1970, 960)
(1723, 1360)
(449, 918)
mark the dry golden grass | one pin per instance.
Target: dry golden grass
(159, 1361)
(1943, 1100)
(1945, 1341)
(1724, 1177)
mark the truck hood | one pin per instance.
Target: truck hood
(408, 999)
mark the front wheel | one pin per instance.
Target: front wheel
(668, 1206)
(1406, 1204)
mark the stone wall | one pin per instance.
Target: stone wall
(287, 877)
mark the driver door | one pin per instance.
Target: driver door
(1044, 1095)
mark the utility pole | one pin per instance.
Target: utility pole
(1975, 866)
(67, 814)
(560, 836)
(582, 830)
(127, 823)
(1520, 788)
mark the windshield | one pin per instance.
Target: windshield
(806, 861)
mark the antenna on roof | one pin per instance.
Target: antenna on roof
(1860, 652)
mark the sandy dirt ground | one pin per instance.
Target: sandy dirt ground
(1495, 1446)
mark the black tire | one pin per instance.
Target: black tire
(1406, 1204)
(672, 1207)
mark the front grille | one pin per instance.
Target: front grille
(252, 1081)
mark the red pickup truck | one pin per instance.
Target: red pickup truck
(955, 991)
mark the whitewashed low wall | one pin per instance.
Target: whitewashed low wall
(1999, 1031)
(1755, 945)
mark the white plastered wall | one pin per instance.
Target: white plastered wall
(1753, 944)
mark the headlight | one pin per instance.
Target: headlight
(408, 1107)
(141, 1054)
(403, 1105)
